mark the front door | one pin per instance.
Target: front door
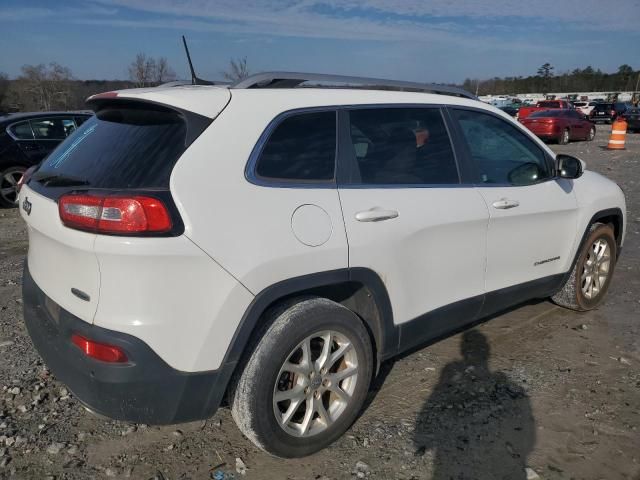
(533, 215)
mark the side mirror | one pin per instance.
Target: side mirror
(568, 166)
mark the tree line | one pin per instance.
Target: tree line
(53, 86)
(545, 80)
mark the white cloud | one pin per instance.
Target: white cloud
(583, 14)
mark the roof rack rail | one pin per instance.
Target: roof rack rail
(296, 79)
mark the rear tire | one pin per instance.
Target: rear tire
(591, 275)
(292, 407)
(592, 134)
(9, 178)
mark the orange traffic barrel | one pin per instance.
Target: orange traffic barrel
(618, 132)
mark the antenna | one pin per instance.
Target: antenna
(194, 79)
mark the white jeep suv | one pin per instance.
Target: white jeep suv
(271, 244)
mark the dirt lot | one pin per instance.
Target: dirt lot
(538, 387)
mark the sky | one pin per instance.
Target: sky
(418, 40)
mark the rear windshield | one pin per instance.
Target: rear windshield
(121, 147)
(547, 113)
(553, 104)
(603, 106)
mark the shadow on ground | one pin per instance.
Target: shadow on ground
(477, 424)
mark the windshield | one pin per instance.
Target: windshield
(121, 147)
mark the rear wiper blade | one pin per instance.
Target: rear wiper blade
(58, 180)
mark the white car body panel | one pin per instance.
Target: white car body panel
(534, 239)
(595, 193)
(431, 255)
(169, 293)
(60, 258)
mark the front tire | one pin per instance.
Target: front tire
(305, 380)
(590, 278)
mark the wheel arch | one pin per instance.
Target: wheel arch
(361, 290)
(611, 216)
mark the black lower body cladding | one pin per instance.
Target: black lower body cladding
(145, 389)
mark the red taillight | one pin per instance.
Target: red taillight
(613, 113)
(114, 214)
(99, 351)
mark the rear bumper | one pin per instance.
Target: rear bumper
(144, 390)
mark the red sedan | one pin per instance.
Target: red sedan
(560, 125)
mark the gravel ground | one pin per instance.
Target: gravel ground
(538, 392)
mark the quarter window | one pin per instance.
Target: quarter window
(501, 153)
(407, 146)
(22, 131)
(301, 148)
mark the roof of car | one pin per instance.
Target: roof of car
(206, 99)
(12, 117)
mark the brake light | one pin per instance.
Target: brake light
(99, 351)
(114, 214)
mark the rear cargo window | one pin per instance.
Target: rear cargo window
(122, 147)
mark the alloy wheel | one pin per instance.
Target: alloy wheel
(315, 384)
(9, 185)
(595, 269)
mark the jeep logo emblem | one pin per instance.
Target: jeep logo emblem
(26, 206)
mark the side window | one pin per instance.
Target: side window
(52, 128)
(69, 126)
(502, 153)
(406, 146)
(22, 131)
(301, 148)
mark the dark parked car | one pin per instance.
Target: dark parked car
(560, 125)
(510, 109)
(632, 117)
(25, 139)
(608, 112)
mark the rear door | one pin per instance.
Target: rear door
(23, 135)
(410, 218)
(532, 225)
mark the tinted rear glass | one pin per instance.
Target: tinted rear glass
(122, 147)
(552, 104)
(301, 148)
(603, 106)
(547, 113)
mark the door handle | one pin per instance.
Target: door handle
(505, 204)
(376, 214)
